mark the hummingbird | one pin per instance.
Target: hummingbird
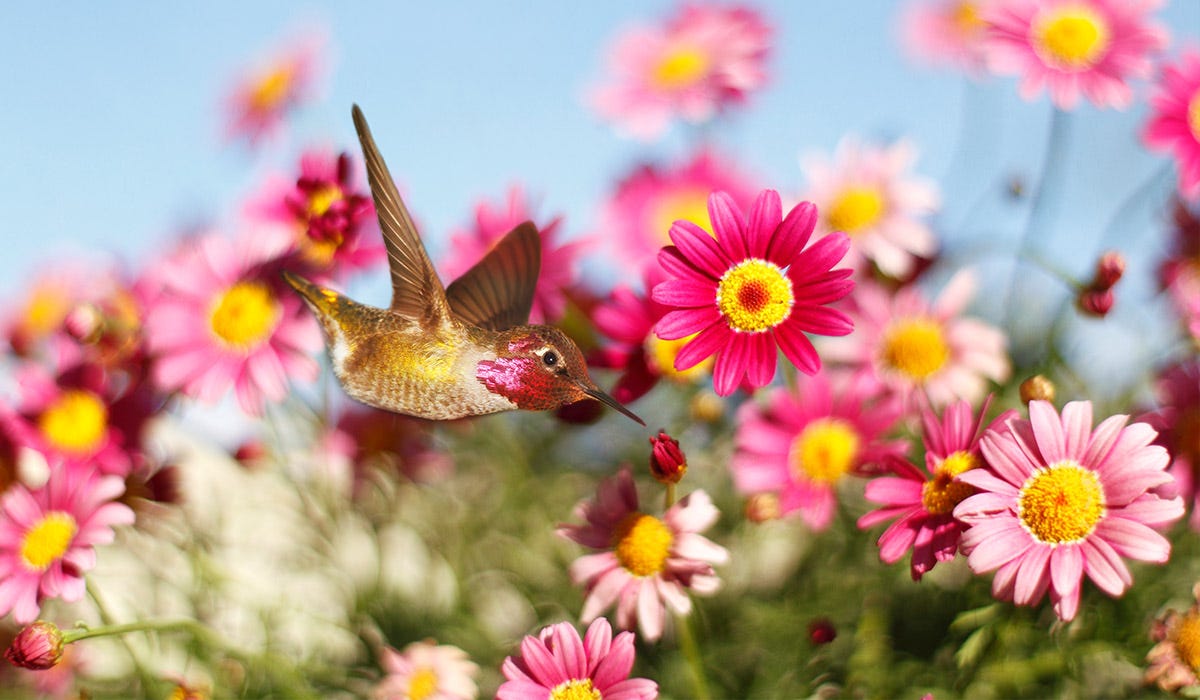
(448, 352)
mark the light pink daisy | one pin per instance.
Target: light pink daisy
(869, 193)
(800, 443)
(1175, 660)
(649, 200)
(702, 60)
(223, 320)
(758, 286)
(1177, 421)
(267, 93)
(923, 502)
(1060, 500)
(427, 671)
(558, 665)
(492, 222)
(945, 32)
(1175, 125)
(47, 537)
(906, 344)
(645, 563)
(1074, 48)
(332, 219)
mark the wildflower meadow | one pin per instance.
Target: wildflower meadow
(912, 430)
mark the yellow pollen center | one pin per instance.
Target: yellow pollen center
(1187, 640)
(271, 90)
(855, 209)
(45, 311)
(642, 543)
(941, 493)
(915, 347)
(689, 205)
(680, 68)
(423, 684)
(1193, 115)
(825, 450)
(577, 689)
(320, 200)
(1061, 503)
(1071, 38)
(244, 316)
(75, 422)
(47, 541)
(966, 19)
(661, 354)
(755, 296)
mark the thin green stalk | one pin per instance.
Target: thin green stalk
(669, 498)
(691, 652)
(147, 679)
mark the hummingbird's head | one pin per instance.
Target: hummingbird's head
(540, 368)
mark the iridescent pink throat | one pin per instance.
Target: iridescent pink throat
(520, 380)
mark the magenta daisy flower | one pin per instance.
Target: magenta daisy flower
(646, 563)
(759, 285)
(557, 664)
(263, 97)
(868, 193)
(800, 443)
(703, 60)
(1074, 48)
(222, 321)
(426, 670)
(907, 344)
(47, 537)
(649, 200)
(1060, 500)
(1175, 125)
(1178, 424)
(945, 32)
(923, 502)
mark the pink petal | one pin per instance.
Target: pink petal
(650, 612)
(728, 225)
(699, 248)
(703, 346)
(793, 234)
(680, 323)
(1033, 577)
(1134, 540)
(1104, 567)
(765, 216)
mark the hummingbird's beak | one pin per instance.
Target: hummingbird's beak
(609, 401)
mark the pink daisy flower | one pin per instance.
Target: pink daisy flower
(704, 59)
(757, 286)
(1175, 125)
(649, 200)
(224, 321)
(1178, 424)
(923, 502)
(945, 32)
(645, 563)
(428, 671)
(907, 344)
(1060, 500)
(1074, 48)
(47, 300)
(558, 664)
(492, 222)
(1175, 660)
(800, 443)
(47, 537)
(332, 219)
(869, 193)
(263, 97)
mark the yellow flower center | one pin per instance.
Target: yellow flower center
(642, 543)
(1193, 115)
(423, 684)
(966, 19)
(75, 422)
(755, 296)
(1071, 38)
(46, 309)
(915, 347)
(244, 316)
(320, 200)
(1061, 503)
(271, 89)
(46, 542)
(661, 354)
(680, 68)
(825, 450)
(855, 209)
(689, 205)
(941, 493)
(579, 689)
(1187, 640)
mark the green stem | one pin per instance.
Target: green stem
(669, 499)
(149, 683)
(691, 651)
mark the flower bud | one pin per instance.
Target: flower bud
(763, 507)
(667, 462)
(821, 631)
(1109, 269)
(38, 646)
(1037, 388)
(1096, 302)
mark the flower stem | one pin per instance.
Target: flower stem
(691, 651)
(669, 498)
(148, 681)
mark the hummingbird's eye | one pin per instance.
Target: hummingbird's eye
(549, 358)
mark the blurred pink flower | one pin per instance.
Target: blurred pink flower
(799, 444)
(1177, 421)
(426, 670)
(224, 321)
(922, 502)
(1060, 500)
(1179, 273)
(702, 60)
(649, 200)
(492, 222)
(758, 287)
(47, 537)
(1175, 125)
(906, 344)
(41, 309)
(266, 94)
(1173, 662)
(869, 193)
(1074, 48)
(558, 664)
(364, 439)
(645, 563)
(945, 32)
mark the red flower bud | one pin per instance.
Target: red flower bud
(821, 631)
(667, 462)
(38, 646)
(1096, 302)
(1109, 269)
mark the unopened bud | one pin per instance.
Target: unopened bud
(821, 631)
(667, 462)
(38, 646)
(1037, 388)
(762, 507)
(251, 454)
(1109, 269)
(1096, 302)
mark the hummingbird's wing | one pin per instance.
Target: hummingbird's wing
(497, 292)
(416, 290)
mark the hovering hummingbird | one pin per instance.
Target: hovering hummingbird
(443, 353)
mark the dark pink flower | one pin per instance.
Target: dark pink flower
(1175, 124)
(1177, 421)
(267, 93)
(37, 647)
(558, 664)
